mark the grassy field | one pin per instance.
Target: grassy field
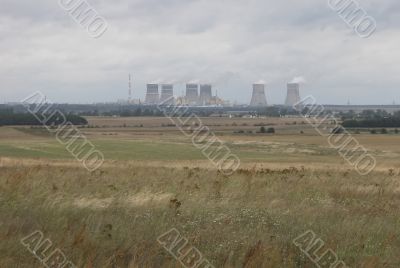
(154, 179)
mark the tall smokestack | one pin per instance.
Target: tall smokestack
(293, 94)
(167, 94)
(205, 94)
(152, 96)
(130, 89)
(192, 94)
(259, 98)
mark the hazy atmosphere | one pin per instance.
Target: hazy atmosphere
(230, 44)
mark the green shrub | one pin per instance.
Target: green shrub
(271, 130)
(338, 130)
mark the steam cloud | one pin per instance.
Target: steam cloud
(260, 82)
(299, 80)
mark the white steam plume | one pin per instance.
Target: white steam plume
(299, 80)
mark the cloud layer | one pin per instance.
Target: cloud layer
(228, 43)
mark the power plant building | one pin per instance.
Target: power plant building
(167, 94)
(293, 94)
(205, 94)
(259, 99)
(152, 95)
(192, 94)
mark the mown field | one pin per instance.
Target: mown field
(154, 179)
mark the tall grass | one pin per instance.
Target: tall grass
(112, 218)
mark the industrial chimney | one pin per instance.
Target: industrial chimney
(152, 96)
(259, 98)
(293, 94)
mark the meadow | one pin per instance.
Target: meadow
(154, 180)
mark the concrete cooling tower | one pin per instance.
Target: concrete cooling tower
(205, 94)
(167, 94)
(259, 98)
(192, 94)
(152, 95)
(293, 94)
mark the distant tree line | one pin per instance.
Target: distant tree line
(373, 123)
(368, 115)
(273, 111)
(11, 119)
(146, 112)
(6, 110)
(372, 119)
(277, 111)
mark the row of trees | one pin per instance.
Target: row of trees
(368, 115)
(10, 119)
(273, 111)
(142, 112)
(371, 119)
(378, 123)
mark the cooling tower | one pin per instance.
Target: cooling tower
(152, 96)
(259, 98)
(293, 94)
(167, 94)
(192, 94)
(205, 94)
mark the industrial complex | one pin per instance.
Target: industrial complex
(198, 95)
(203, 97)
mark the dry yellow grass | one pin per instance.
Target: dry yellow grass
(112, 217)
(246, 220)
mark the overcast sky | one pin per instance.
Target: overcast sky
(229, 43)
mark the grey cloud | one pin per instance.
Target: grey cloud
(229, 43)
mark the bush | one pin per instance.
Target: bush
(372, 131)
(338, 130)
(271, 130)
(263, 130)
(384, 131)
